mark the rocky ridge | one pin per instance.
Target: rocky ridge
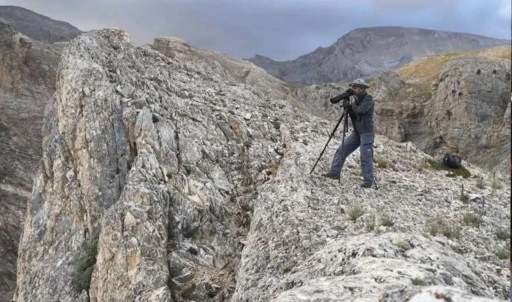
(367, 52)
(189, 185)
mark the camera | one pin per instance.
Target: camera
(344, 96)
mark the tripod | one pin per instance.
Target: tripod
(344, 117)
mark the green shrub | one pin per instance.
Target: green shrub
(443, 227)
(355, 213)
(471, 219)
(84, 265)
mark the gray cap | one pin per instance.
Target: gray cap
(359, 82)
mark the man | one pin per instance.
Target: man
(360, 106)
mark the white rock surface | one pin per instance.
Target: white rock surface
(189, 201)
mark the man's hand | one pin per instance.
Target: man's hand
(352, 100)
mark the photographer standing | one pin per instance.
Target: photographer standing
(360, 108)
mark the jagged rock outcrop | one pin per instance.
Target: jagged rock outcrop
(367, 52)
(180, 185)
(37, 26)
(27, 80)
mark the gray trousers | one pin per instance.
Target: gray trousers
(365, 142)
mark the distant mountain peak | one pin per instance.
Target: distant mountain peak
(37, 26)
(369, 51)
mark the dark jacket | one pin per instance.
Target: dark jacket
(362, 114)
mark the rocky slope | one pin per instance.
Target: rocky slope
(165, 179)
(37, 26)
(27, 80)
(456, 102)
(370, 51)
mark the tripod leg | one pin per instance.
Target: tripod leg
(330, 137)
(345, 125)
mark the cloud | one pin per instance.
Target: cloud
(279, 29)
(505, 10)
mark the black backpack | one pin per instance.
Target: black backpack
(452, 161)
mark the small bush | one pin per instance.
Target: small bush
(387, 221)
(355, 213)
(503, 254)
(382, 162)
(84, 265)
(418, 282)
(471, 219)
(403, 245)
(441, 226)
(503, 234)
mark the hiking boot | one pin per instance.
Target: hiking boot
(332, 176)
(366, 185)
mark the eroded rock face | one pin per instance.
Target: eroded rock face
(158, 156)
(197, 188)
(27, 79)
(471, 97)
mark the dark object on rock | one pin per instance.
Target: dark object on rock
(452, 161)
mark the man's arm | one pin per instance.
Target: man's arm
(365, 105)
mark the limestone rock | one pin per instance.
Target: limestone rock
(27, 73)
(154, 187)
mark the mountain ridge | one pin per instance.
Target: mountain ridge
(37, 26)
(368, 51)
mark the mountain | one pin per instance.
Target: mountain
(37, 26)
(169, 174)
(366, 52)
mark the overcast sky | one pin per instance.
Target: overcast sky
(279, 29)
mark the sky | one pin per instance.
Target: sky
(278, 29)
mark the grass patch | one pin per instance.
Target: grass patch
(471, 219)
(272, 169)
(428, 68)
(458, 250)
(443, 227)
(496, 185)
(503, 234)
(387, 221)
(355, 213)
(382, 162)
(403, 245)
(418, 282)
(370, 224)
(480, 183)
(463, 197)
(85, 264)
(503, 254)
(439, 166)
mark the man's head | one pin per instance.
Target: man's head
(359, 86)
